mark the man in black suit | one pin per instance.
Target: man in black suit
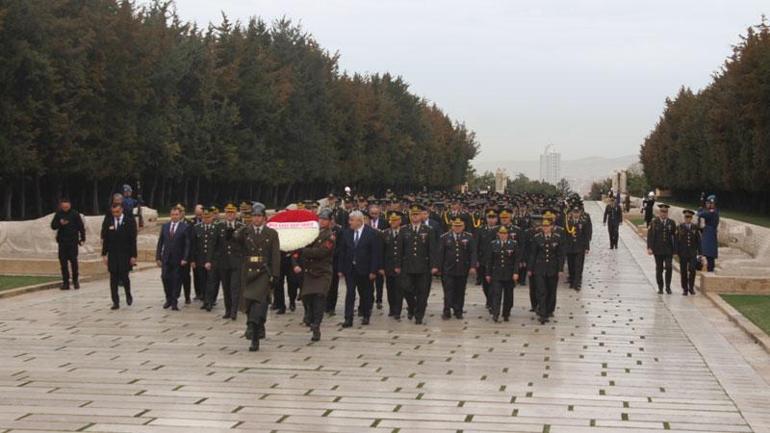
(378, 222)
(360, 256)
(70, 233)
(172, 255)
(119, 251)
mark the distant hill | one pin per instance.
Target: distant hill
(580, 172)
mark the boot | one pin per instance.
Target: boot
(249, 331)
(254, 345)
(316, 333)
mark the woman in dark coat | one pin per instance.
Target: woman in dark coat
(708, 220)
(119, 251)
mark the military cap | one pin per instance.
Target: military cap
(394, 216)
(663, 206)
(258, 209)
(331, 195)
(214, 209)
(179, 206)
(127, 188)
(229, 207)
(505, 213)
(502, 229)
(457, 222)
(416, 208)
(547, 222)
(245, 207)
(207, 211)
(711, 199)
(325, 213)
(688, 212)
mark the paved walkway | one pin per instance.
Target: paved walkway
(618, 358)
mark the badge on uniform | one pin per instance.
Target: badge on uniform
(112, 227)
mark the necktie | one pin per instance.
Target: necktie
(355, 240)
(173, 229)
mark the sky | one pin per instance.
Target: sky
(589, 76)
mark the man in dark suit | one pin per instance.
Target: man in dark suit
(172, 255)
(70, 233)
(119, 251)
(360, 256)
(378, 222)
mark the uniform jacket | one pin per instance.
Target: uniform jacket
(688, 241)
(661, 237)
(578, 234)
(228, 252)
(203, 244)
(484, 237)
(546, 254)
(613, 215)
(456, 254)
(391, 253)
(261, 256)
(316, 261)
(503, 259)
(119, 243)
(709, 241)
(417, 249)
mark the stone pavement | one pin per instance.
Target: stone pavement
(617, 358)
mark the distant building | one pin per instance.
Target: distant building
(550, 165)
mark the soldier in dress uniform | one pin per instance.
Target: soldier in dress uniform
(229, 255)
(502, 261)
(613, 216)
(485, 235)
(186, 270)
(204, 236)
(648, 208)
(456, 259)
(456, 211)
(315, 263)
(688, 248)
(261, 258)
(577, 245)
(244, 211)
(391, 264)
(417, 258)
(535, 227)
(661, 242)
(546, 260)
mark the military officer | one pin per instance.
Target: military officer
(261, 257)
(534, 229)
(661, 242)
(456, 259)
(416, 248)
(688, 248)
(229, 256)
(485, 235)
(546, 259)
(391, 264)
(204, 236)
(455, 211)
(315, 262)
(578, 244)
(502, 262)
(613, 216)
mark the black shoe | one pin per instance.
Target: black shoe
(227, 315)
(254, 345)
(261, 333)
(506, 319)
(660, 291)
(495, 318)
(684, 293)
(459, 316)
(668, 291)
(397, 317)
(316, 334)
(347, 324)
(446, 315)
(532, 310)
(114, 307)
(331, 313)
(365, 321)
(76, 285)
(692, 291)
(418, 322)
(281, 311)
(174, 308)
(379, 305)
(409, 316)
(188, 301)
(129, 300)
(233, 316)
(542, 320)
(64, 287)
(166, 305)
(292, 306)
(204, 306)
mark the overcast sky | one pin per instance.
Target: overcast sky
(589, 76)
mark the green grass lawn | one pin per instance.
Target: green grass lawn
(635, 218)
(14, 281)
(751, 218)
(754, 307)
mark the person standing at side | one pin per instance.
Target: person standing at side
(119, 251)
(172, 255)
(688, 248)
(613, 216)
(648, 208)
(661, 242)
(708, 219)
(70, 234)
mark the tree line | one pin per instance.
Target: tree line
(97, 93)
(717, 140)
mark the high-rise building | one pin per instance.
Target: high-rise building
(550, 165)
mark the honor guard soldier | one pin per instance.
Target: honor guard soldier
(613, 217)
(315, 262)
(502, 262)
(661, 242)
(261, 260)
(578, 243)
(546, 259)
(204, 241)
(688, 248)
(485, 235)
(416, 263)
(456, 258)
(229, 260)
(391, 264)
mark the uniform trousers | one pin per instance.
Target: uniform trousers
(546, 293)
(575, 263)
(416, 292)
(395, 294)
(231, 285)
(663, 262)
(613, 230)
(454, 293)
(687, 272)
(200, 280)
(502, 295)
(68, 255)
(315, 305)
(331, 298)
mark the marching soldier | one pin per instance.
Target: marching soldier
(534, 229)
(456, 258)
(578, 244)
(485, 235)
(230, 257)
(416, 259)
(613, 216)
(661, 242)
(261, 261)
(502, 261)
(546, 259)
(391, 264)
(314, 262)
(455, 212)
(688, 248)
(204, 237)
